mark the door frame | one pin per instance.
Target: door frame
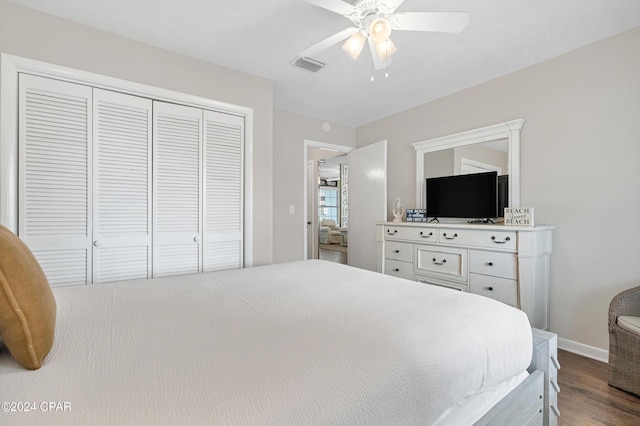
(314, 226)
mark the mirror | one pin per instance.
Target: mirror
(449, 155)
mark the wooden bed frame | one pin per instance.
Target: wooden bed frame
(533, 402)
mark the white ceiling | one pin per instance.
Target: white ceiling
(262, 37)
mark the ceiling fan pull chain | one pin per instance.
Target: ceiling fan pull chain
(386, 59)
(372, 79)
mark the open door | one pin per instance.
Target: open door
(367, 202)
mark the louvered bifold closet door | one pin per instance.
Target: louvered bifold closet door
(54, 154)
(177, 189)
(223, 160)
(121, 186)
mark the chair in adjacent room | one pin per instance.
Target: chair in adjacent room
(624, 341)
(329, 232)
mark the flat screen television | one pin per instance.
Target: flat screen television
(472, 196)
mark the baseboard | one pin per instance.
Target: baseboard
(584, 350)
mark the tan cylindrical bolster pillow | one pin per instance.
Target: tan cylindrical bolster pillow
(27, 305)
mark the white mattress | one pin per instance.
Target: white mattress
(301, 343)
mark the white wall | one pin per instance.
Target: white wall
(31, 34)
(579, 163)
(289, 134)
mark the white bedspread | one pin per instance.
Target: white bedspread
(301, 343)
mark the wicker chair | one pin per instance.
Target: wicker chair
(624, 345)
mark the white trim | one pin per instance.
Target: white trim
(11, 65)
(584, 350)
(322, 145)
(8, 144)
(509, 130)
(479, 165)
(247, 234)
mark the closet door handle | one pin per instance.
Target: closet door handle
(493, 238)
(439, 263)
(97, 243)
(196, 238)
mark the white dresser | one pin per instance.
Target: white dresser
(506, 263)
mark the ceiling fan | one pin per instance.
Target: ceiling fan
(373, 22)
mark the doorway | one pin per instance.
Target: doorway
(367, 202)
(319, 243)
(333, 208)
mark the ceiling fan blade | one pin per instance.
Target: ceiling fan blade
(327, 42)
(446, 22)
(337, 6)
(377, 63)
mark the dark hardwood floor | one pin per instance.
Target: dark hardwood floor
(585, 397)
(334, 254)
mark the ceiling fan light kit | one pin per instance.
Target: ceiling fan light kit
(374, 20)
(354, 45)
(380, 30)
(385, 49)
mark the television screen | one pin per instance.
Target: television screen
(472, 196)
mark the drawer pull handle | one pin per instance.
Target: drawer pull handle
(397, 270)
(555, 362)
(450, 238)
(439, 263)
(397, 251)
(490, 288)
(493, 237)
(394, 232)
(490, 263)
(426, 236)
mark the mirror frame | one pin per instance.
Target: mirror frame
(509, 130)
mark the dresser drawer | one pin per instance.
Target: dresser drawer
(398, 269)
(398, 251)
(443, 262)
(499, 240)
(410, 233)
(424, 279)
(504, 265)
(500, 289)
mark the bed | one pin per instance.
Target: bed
(307, 342)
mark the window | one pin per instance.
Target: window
(328, 204)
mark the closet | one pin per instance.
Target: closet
(115, 186)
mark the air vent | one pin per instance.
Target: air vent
(308, 64)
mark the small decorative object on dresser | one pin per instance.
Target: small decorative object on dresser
(518, 216)
(398, 211)
(416, 215)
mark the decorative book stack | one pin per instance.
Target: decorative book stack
(416, 215)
